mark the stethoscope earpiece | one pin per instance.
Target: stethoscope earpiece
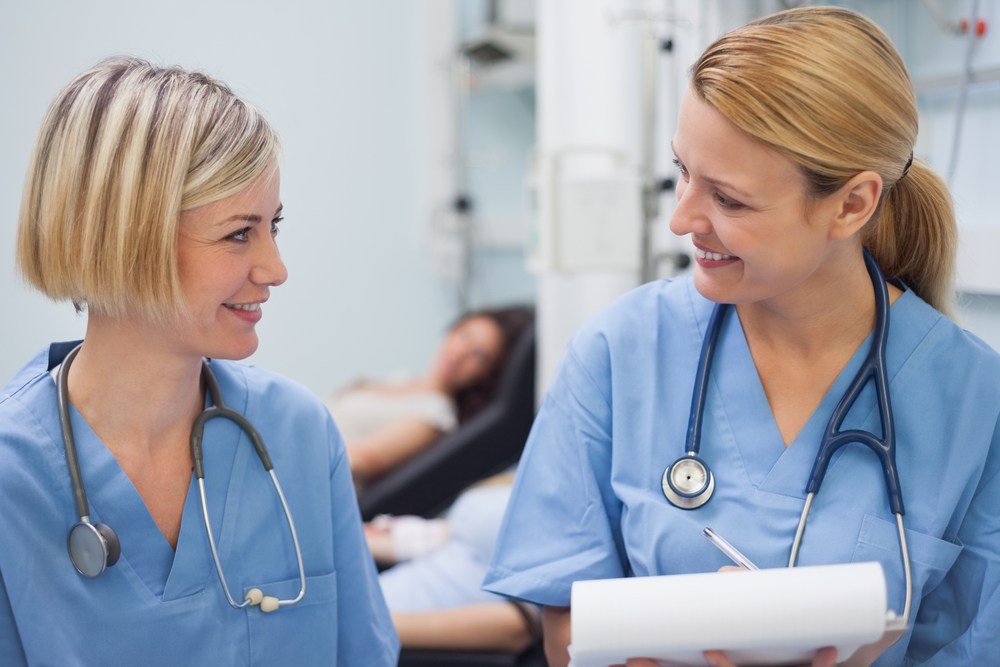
(267, 603)
(688, 482)
(93, 548)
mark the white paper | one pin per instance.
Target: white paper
(768, 617)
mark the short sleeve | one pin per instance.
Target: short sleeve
(562, 522)
(365, 634)
(959, 621)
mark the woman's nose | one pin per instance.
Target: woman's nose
(269, 269)
(688, 218)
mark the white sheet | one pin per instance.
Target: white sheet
(769, 617)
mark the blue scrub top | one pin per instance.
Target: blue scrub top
(158, 607)
(588, 502)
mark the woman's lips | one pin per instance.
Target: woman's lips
(248, 312)
(710, 260)
(716, 256)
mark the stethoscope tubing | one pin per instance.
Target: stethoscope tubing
(215, 553)
(874, 368)
(701, 379)
(219, 409)
(69, 442)
(693, 496)
(900, 622)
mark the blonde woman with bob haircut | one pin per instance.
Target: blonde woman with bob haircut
(794, 145)
(152, 202)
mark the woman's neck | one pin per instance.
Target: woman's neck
(834, 309)
(800, 341)
(135, 387)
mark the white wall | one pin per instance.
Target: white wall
(349, 86)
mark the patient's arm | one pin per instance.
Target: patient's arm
(380, 544)
(493, 626)
(388, 447)
(394, 539)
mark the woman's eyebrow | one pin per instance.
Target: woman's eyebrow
(728, 185)
(250, 217)
(245, 217)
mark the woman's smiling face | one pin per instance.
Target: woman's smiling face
(745, 206)
(228, 260)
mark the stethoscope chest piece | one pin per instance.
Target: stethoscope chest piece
(688, 482)
(92, 548)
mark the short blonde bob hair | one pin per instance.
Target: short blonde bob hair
(123, 150)
(824, 87)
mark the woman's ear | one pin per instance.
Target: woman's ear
(855, 203)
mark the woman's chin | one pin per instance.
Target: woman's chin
(712, 289)
(731, 292)
(235, 350)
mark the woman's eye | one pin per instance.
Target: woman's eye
(727, 203)
(680, 167)
(274, 225)
(240, 235)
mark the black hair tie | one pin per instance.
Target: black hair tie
(906, 169)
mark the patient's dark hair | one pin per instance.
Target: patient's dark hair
(512, 323)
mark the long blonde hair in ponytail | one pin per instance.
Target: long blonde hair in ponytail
(825, 87)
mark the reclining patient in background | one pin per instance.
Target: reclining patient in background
(386, 424)
(435, 593)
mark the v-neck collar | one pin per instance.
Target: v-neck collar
(115, 501)
(741, 401)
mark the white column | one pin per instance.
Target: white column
(589, 149)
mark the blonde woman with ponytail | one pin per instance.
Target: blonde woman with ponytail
(795, 148)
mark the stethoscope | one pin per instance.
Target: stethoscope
(688, 482)
(92, 548)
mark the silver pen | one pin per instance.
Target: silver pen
(729, 550)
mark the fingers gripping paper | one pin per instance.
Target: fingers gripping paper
(768, 617)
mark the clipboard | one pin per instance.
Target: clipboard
(779, 616)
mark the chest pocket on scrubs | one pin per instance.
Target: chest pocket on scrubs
(930, 558)
(296, 634)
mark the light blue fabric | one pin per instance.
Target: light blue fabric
(587, 502)
(155, 607)
(452, 575)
